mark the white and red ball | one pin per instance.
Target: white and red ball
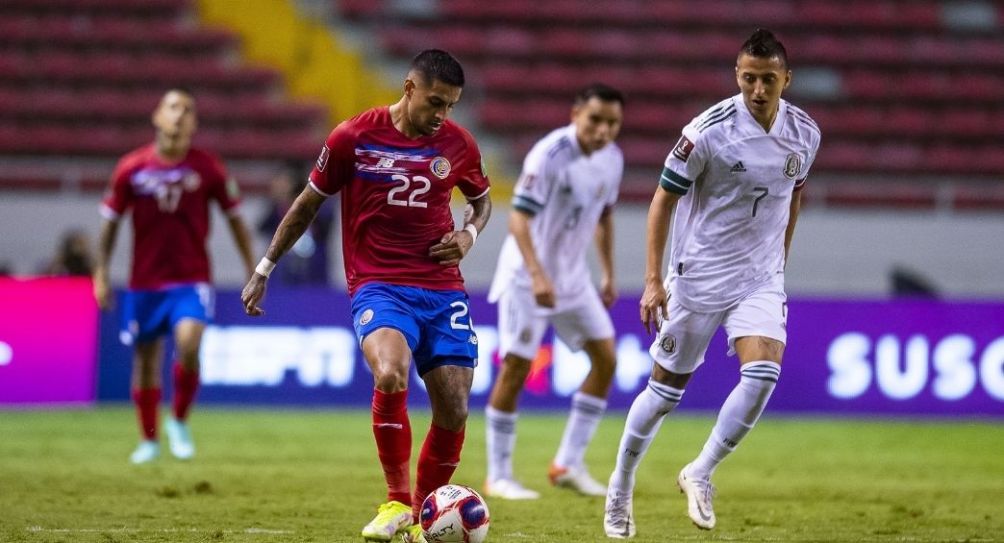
(454, 514)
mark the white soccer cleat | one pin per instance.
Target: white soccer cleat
(180, 439)
(577, 479)
(509, 489)
(618, 515)
(147, 451)
(392, 517)
(699, 493)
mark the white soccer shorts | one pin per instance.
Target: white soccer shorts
(522, 322)
(684, 337)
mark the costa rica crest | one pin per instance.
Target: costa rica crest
(440, 167)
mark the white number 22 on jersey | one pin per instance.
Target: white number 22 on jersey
(422, 185)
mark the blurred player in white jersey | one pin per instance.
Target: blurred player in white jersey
(734, 179)
(564, 197)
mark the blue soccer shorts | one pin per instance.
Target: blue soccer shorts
(149, 314)
(435, 323)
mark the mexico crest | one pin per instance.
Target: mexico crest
(668, 344)
(792, 165)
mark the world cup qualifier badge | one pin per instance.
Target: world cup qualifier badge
(440, 167)
(322, 159)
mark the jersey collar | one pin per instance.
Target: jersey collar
(775, 129)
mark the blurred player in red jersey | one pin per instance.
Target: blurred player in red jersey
(396, 168)
(169, 185)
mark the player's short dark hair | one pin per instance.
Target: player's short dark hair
(436, 64)
(763, 44)
(605, 93)
(179, 88)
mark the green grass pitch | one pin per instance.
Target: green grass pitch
(266, 476)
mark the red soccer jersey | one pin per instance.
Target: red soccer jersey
(396, 197)
(170, 216)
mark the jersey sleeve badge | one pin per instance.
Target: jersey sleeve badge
(322, 159)
(683, 148)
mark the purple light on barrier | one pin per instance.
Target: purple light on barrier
(48, 334)
(842, 357)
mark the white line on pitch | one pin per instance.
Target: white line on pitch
(250, 531)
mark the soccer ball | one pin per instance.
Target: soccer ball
(454, 514)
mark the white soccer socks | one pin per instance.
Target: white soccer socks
(643, 421)
(500, 440)
(738, 415)
(583, 419)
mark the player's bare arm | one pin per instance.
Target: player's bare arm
(543, 288)
(653, 305)
(242, 237)
(293, 225)
(789, 231)
(605, 251)
(106, 245)
(454, 246)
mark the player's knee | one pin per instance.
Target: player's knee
(602, 358)
(189, 358)
(515, 369)
(454, 418)
(390, 377)
(668, 378)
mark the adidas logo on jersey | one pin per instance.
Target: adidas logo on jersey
(738, 167)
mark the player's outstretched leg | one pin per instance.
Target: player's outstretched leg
(737, 417)
(449, 388)
(643, 421)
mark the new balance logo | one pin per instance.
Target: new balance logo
(385, 163)
(738, 167)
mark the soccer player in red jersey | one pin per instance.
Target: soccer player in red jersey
(168, 184)
(396, 168)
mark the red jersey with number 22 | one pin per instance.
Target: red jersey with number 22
(170, 213)
(396, 197)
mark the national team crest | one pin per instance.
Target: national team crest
(322, 160)
(366, 317)
(668, 344)
(440, 167)
(192, 180)
(792, 165)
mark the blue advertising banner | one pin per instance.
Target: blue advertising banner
(861, 357)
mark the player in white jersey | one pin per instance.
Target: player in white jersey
(563, 200)
(734, 179)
